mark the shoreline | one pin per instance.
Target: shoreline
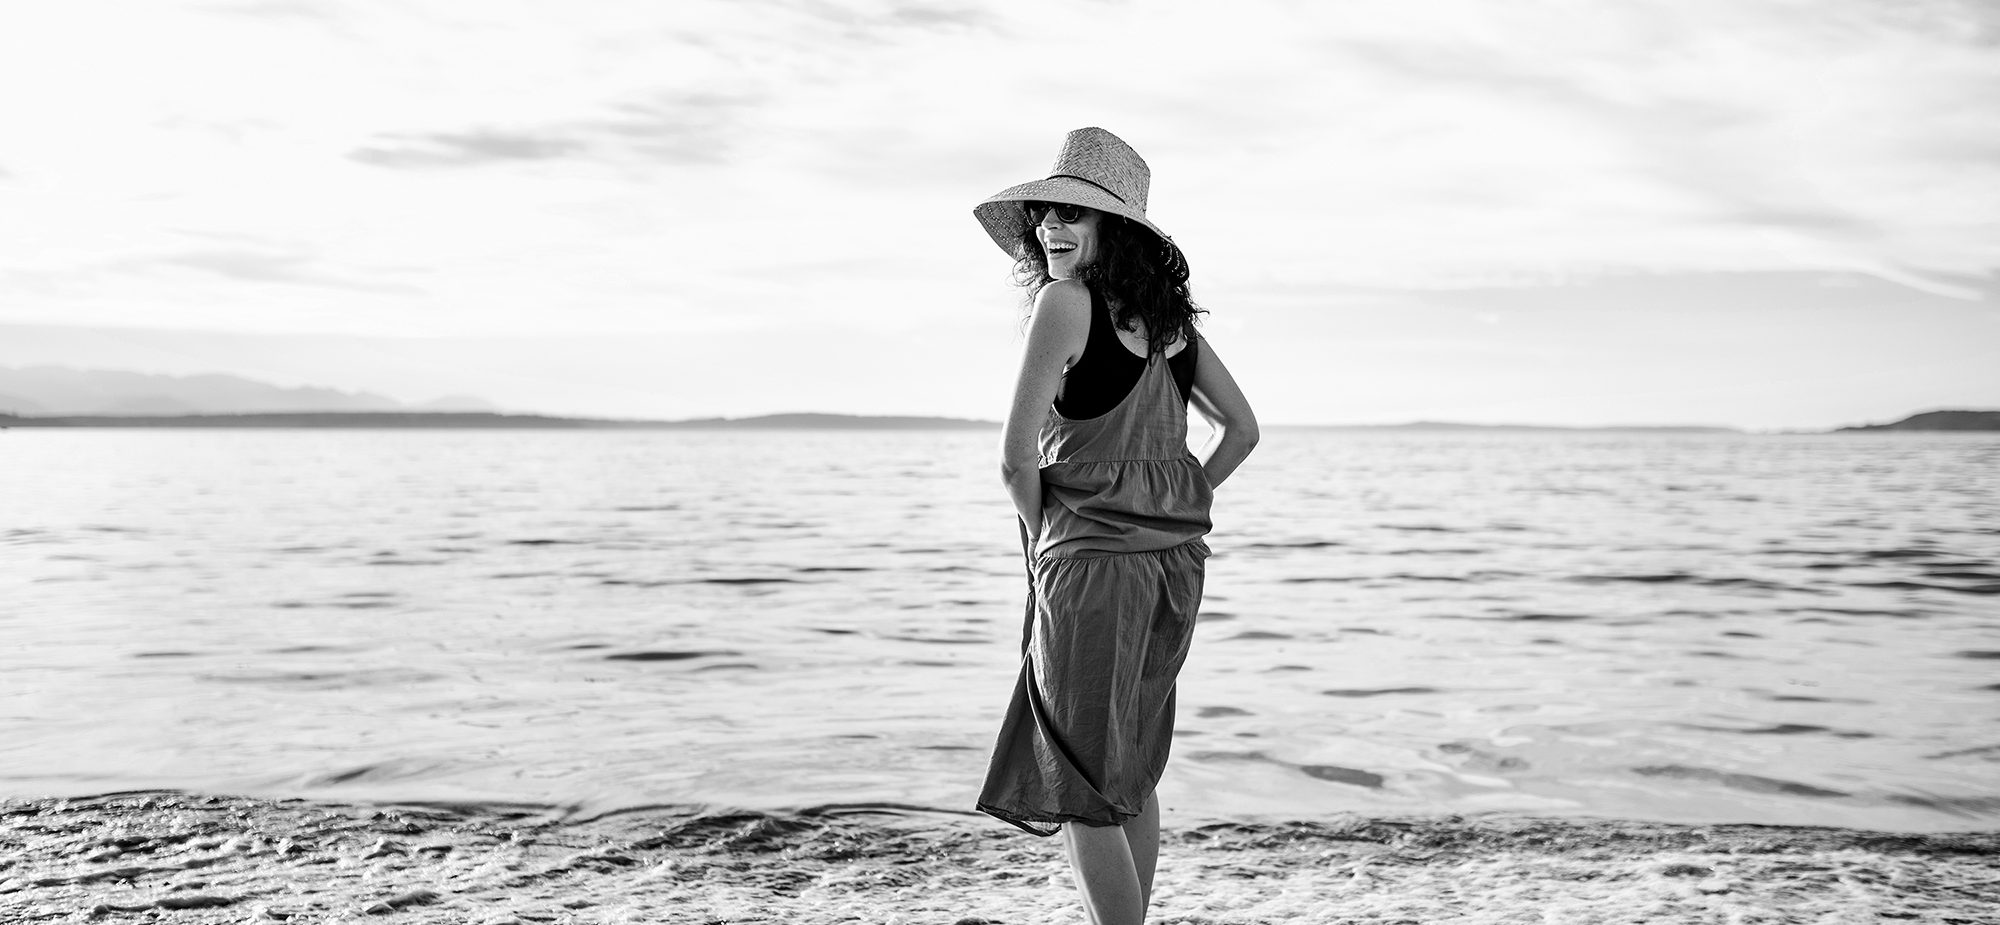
(171, 856)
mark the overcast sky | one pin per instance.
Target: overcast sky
(1759, 213)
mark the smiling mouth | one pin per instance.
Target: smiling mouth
(1059, 248)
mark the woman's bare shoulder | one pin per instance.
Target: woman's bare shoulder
(1063, 295)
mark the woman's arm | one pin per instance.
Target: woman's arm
(1057, 332)
(1218, 399)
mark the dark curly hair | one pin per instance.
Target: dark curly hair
(1142, 274)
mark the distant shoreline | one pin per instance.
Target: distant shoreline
(1928, 422)
(486, 420)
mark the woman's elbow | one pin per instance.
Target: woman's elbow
(1012, 469)
(1243, 430)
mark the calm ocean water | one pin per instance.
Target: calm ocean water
(1788, 629)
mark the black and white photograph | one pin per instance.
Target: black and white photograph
(954, 462)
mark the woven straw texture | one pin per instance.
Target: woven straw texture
(1095, 168)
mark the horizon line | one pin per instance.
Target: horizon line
(786, 420)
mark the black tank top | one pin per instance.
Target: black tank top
(1107, 370)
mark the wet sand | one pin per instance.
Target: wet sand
(172, 857)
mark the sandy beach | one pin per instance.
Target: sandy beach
(171, 857)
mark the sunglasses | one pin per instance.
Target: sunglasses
(1065, 213)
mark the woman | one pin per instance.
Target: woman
(1113, 509)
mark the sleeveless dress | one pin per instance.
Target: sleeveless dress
(1113, 590)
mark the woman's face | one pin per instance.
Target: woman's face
(1068, 245)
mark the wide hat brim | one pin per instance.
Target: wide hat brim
(1005, 221)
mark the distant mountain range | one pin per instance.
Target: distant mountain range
(1537, 428)
(54, 396)
(490, 420)
(1938, 420)
(61, 391)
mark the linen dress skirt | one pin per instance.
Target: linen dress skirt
(1113, 591)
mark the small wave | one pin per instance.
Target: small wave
(1331, 773)
(1904, 553)
(1483, 760)
(1340, 775)
(1967, 575)
(1910, 613)
(1781, 729)
(1808, 698)
(329, 680)
(1378, 691)
(341, 605)
(668, 655)
(1970, 807)
(748, 833)
(1993, 750)
(395, 770)
(936, 640)
(1927, 586)
(1757, 584)
(1258, 634)
(1748, 782)
(1213, 712)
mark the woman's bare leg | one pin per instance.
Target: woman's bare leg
(1142, 833)
(1102, 860)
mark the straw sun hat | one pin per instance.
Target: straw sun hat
(1095, 169)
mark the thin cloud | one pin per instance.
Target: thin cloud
(683, 127)
(853, 25)
(286, 269)
(678, 127)
(277, 9)
(1747, 138)
(1824, 221)
(943, 18)
(462, 149)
